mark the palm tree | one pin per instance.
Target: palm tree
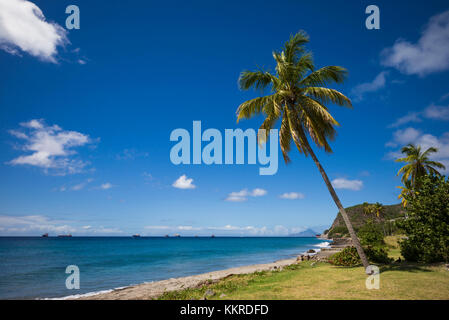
(418, 164)
(366, 208)
(405, 191)
(298, 97)
(378, 208)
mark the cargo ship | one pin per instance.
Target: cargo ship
(65, 236)
(45, 235)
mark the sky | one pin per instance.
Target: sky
(86, 114)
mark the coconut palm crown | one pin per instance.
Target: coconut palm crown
(299, 97)
(418, 164)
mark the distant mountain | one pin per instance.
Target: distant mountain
(305, 233)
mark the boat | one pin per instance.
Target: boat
(212, 236)
(136, 235)
(166, 236)
(45, 235)
(177, 235)
(64, 235)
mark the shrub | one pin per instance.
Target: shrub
(348, 257)
(339, 230)
(427, 225)
(377, 254)
(371, 235)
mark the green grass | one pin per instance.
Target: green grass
(309, 280)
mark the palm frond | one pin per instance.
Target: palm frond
(253, 107)
(295, 46)
(325, 76)
(326, 95)
(255, 79)
(285, 138)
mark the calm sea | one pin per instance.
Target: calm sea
(34, 267)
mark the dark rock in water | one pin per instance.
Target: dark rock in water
(311, 251)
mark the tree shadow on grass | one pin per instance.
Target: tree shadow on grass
(405, 266)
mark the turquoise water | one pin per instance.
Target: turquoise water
(33, 267)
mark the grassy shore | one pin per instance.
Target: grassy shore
(320, 280)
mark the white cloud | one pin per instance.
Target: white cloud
(106, 186)
(433, 112)
(430, 54)
(258, 192)
(104, 230)
(131, 154)
(157, 227)
(23, 28)
(292, 195)
(360, 90)
(410, 117)
(226, 230)
(342, 183)
(400, 138)
(241, 196)
(81, 185)
(405, 136)
(437, 112)
(33, 223)
(38, 224)
(184, 183)
(51, 147)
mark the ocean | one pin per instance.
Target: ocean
(34, 267)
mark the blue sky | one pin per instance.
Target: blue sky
(105, 98)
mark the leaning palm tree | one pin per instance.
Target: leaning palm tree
(299, 97)
(418, 164)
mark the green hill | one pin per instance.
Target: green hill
(358, 218)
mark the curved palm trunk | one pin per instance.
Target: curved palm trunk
(342, 210)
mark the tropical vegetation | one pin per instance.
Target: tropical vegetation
(427, 225)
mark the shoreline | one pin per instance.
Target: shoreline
(152, 290)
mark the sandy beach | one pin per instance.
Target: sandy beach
(152, 290)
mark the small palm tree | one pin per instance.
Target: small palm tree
(366, 208)
(405, 191)
(378, 208)
(299, 97)
(418, 164)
